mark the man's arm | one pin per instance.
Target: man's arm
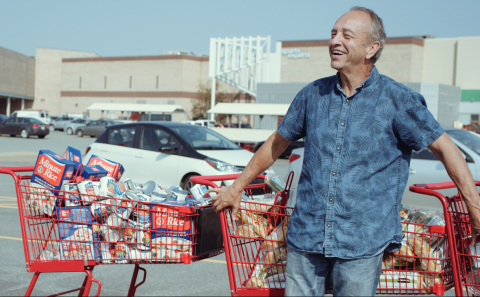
(447, 152)
(263, 159)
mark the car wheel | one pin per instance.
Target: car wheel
(187, 184)
(80, 133)
(69, 131)
(92, 136)
(24, 133)
(12, 135)
(51, 128)
(41, 136)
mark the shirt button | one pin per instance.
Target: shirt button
(343, 124)
(330, 199)
(348, 100)
(333, 173)
(328, 225)
(338, 148)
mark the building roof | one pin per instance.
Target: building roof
(250, 109)
(417, 40)
(167, 108)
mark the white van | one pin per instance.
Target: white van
(202, 123)
(41, 115)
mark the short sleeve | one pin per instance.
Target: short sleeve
(293, 125)
(415, 124)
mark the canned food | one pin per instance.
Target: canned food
(106, 253)
(86, 188)
(143, 217)
(198, 191)
(144, 240)
(71, 195)
(144, 198)
(107, 186)
(111, 234)
(122, 253)
(140, 256)
(129, 184)
(120, 189)
(177, 195)
(129, 233)
(124, 209)
(100, 210)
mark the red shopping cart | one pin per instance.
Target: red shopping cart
(73, 232)
(255, 249)
(465, 263)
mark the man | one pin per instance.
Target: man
(360, 128)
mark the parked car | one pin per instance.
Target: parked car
(3, 118)
(60, 123)
(24, 127)
(41, 115)
(72, 126)
(169, 153)
(288, 150)
(424, 168)
(94, 128)
(203, 123)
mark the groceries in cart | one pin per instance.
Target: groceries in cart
(420, 261)
(99, 217)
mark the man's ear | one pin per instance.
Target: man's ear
(372, 49)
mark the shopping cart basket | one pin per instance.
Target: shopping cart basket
(255, 248)
(465, 264)
(73, 232)
(254, 242)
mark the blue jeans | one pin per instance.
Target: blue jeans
(307, 273)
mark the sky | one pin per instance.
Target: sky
(145, 27)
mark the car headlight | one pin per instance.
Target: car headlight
(221, 166)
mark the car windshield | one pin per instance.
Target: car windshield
(467, 138)
(204, 139)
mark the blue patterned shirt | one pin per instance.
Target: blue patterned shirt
(356, 161)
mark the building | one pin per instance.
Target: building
(70, 81)
(17, 81)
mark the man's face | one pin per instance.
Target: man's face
(346, 43)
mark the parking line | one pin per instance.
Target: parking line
(6, 197)
(14, 207)
(11, 238)
(206, 260)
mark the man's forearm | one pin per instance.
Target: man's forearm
(262, 160)
(448, 153)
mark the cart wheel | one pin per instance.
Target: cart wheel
(25, 133)
(80, 133)
(187, 184)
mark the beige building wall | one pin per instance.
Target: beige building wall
(48, 77)
(467, 74)
(401, 60)
(439, 61)
(17, 73)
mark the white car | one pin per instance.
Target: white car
(424, 168)
(169, 153)
(41, 115)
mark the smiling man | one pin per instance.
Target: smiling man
(359, 128)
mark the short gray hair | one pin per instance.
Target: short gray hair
(377, 33)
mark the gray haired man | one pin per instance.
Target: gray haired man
(360, 128)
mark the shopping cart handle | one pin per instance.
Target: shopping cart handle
(437, 186)
(208, 180)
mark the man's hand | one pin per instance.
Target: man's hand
(226, 197)
(447, 152)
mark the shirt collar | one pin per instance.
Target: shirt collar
(365, 83)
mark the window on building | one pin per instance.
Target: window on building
(157, 81)
(80, 83)
(130, 81)
(105, 82)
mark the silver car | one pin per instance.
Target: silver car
(72, 126)
(424, 168)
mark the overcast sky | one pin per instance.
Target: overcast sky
(130, 28)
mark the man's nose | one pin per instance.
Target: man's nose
(335, 40)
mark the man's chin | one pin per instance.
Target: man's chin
(336, 65)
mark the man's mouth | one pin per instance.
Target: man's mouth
(337, 53)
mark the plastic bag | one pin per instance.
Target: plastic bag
(257, 221)
(422, 249)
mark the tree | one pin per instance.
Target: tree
(201, 102)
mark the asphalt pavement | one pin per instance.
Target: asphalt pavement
(207, 277)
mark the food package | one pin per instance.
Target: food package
(121, 253)
(396, 281)
(170, 243)
(275, 182)
(245, 231)
(76, 233)
(170, 221)
(257, 278)
(140, 256)
(276, 238)
(71, 194)
(421, 248)
(392, 261)
(256, 220)
(107, 165)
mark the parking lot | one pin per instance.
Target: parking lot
(207, 277)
